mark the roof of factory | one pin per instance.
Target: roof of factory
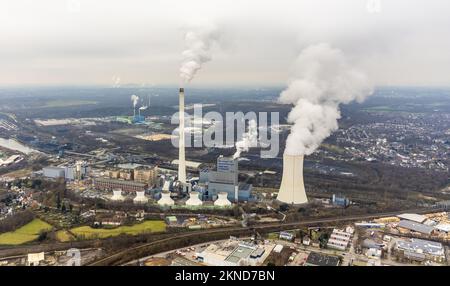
(190, 164)
(318, 259)
(445, 227)
(241, 252)
(421, 246)
(116, 181)
(53, 168)
(414, 226)
(413, 217)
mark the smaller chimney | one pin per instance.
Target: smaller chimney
(236, 194)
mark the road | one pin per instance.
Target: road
(134, 252)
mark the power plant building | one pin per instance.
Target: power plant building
(105, 184)
(146, 175)
(225, 180)
(53, 172)
(76, 171)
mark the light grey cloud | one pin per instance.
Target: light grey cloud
(50, 42)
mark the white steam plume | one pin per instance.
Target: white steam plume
(134, 100)
(198, 51)
(322, 80)
(249, 139)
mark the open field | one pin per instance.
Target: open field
(26, 233)
(147, 226)
(64, 236)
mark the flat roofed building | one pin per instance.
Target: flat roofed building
(443, 228)
(190, 164)
(235, 253)
(318, 259)
(146, 175)
(33, 259)
(413, 217)
(103, 184)
(431, 249)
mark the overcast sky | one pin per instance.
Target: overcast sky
(54, 42)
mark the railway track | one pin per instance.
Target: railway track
(130, 254)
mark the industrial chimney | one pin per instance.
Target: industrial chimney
(292, 189)
(181, 154)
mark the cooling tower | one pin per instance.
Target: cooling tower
(117, 195)
(292, 189)
(181, 155)
(165, 199)
(140, 198)
(222, 200)
(194, 199)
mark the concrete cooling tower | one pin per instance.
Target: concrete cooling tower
(165, 199)
(292, 189)
(222, 200)
(117, 195)
(140, 198)
(194, 200)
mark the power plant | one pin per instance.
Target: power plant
(194, 199)
(292, 189)
(181, 143)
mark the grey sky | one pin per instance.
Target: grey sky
(50, 42)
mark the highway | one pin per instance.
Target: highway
(173, 242)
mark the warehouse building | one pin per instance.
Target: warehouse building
(235, 253)
(413, 217)
(407, 225)
(429, 250)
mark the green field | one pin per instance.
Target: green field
(26, 233)
(88, 232)
(64, 236)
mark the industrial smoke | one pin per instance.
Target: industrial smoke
(134, 100)
(198, 51)
(249, 139)
(322, 80)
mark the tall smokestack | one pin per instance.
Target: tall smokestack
(181, 154)
(292, 189)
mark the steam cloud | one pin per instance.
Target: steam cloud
(198, 51)
(134, 100)
(322, 81)
(249, 139)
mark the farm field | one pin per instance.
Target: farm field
(64, 236)
(88, 232)
(26, 233)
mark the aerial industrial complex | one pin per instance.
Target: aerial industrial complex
(216, 208)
